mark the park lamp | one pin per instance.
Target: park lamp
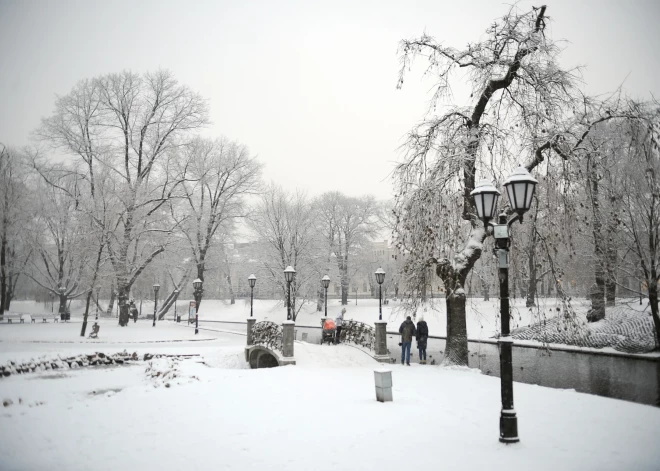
(485, 199)
(326, 281)
(289, 273)
(380, 276)
(252, 280)
(156, 288)
(520, 188)
(197, 283)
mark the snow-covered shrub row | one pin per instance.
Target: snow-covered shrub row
(268, 334)
(73, 362)
(358, 333)
(622, 329)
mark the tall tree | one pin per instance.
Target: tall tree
(637, 185)
(347, 223)
(130, 124)
(61, 240)
(519, 93)
(219, 174)
(14, 210)
(285, 225)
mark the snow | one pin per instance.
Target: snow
(212, 412)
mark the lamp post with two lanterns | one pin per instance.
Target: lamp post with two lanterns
(380, 277)
(519, 188)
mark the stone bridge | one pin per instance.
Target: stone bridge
(268, 344)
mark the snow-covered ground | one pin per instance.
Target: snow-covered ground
(320, 414)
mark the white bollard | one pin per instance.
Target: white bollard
(383, 380)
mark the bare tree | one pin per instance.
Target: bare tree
(219, 174)
(284, 223)
(519, 93)
(14, 254)
(61, 241)
(347, 223)
(638, 186)
(130, 125)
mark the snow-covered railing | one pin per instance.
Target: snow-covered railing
(358, 333)
(267, 334)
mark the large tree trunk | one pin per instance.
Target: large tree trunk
(62, 308)
(653, 301)
(320, 294)
(123, 297)
(610, 266)
(531, 266)
(598, 293)
(423, 286)
(232, 298)
(84, 324)
(343, 270)
(97, 265)
(456, 349)
(111, 303)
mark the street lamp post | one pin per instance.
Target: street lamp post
(326, 282)
(197, 285)
(156, 288)
(252, 280)
(289, 274)
(520, 191)
(380, 277)
(176, 297)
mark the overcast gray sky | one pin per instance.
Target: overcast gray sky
(309, 86)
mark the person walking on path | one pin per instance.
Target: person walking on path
(134, 311)
(338, 322)
(422, 338)
(407, 331)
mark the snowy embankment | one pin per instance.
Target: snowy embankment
(216, 413)
(626, 328)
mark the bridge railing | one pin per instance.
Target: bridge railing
(268, 334)
(358, 333)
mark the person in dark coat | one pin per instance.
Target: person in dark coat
(134, 311)
(407, 331)
(422, 338)
(338, 322)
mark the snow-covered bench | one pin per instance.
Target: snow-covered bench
(44, 317)
(10, 317)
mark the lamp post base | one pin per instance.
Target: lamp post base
(509, 427)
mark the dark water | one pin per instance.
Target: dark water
(630, 379)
